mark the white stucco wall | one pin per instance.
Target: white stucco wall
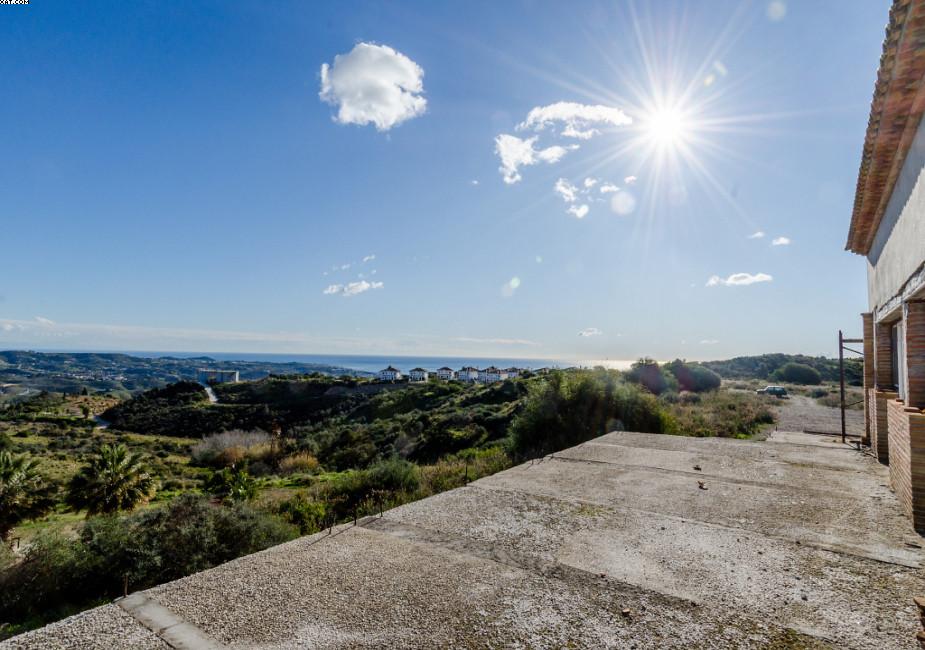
(898, 250)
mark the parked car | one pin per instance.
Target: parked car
(776, 391)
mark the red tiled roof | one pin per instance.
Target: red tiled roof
(895, 113)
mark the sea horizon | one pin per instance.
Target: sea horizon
(360, 362)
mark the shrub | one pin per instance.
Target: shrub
(231, 448)
(798, 373)
(693, 377)
(651, 376)
(115, 479)
(394, 475)
(569, 408)
(232, 484)
(302, 462)
(309, 515)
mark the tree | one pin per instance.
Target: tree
(24, 493)
(85, 410)
(114, 480)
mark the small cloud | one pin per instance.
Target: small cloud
(509, 287)
(539, 259)
(517, 152)
(756, 235)
(373, 84)
(780, 241)
(7, 327)
(579, 211)
(589, 183)
(474, 182)
(369, 258)
(578, 120)
(590, 331)
(352, 288)
(623, 203)
(709, 342)
(344, 267)
(566, 190)
(608, 188)
(738, 279)
(44, 321)
(777, 10)
(630, 180)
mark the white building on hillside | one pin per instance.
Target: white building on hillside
(446, 374)
(512, 372)
(389, 374)
(418, 374)
(491, 374)
(468, 373)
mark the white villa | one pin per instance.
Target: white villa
(491, 375)
(418, 374)
(446, 374)
(468, 373)
(389, 374)
(512, 372)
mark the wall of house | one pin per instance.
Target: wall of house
(907, 459)
(898, 251)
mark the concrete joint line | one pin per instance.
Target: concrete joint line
(170, 628)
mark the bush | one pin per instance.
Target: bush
(651, 376)
(309, 515)
(569, 408)
(302, 462)
(232, 484)
(798, 373)
(693, 377)
(231, 448)
(59, 575)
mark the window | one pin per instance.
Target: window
(898, 358)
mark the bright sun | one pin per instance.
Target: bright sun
(666, 126)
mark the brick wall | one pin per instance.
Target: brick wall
(907, 459)
(867, 321)
(878, 422)
(883, 359)
(914, 317)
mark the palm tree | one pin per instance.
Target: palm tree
(24, 493)
(114, 480)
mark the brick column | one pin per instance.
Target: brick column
(883, 360)
(867, 320)
(914, 321)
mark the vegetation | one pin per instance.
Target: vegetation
(765, 365)
(24, 492)
(115, 480)
(797, 373)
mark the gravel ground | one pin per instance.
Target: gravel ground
(103, 628)
(799, 413)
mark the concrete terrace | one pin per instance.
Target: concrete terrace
(630, 540)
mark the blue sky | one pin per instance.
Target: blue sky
(182, 176)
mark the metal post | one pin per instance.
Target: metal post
(841, 379)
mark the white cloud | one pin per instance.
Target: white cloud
(780, 241)
(44, 321)
(623, 203)
(474, 182)
(590, 331)
(579, 211)
(630, 180)
(709, 342)
(589, 183)
(344, 267)
(351, 288)
(373, 84)
(7, 327)
(738, 279)
(607, 188)
(519, 152)
(566, 190)
(369, 258)
(756, 235)
(578, 120)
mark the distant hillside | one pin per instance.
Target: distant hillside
(763, 367)
(23, 373)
